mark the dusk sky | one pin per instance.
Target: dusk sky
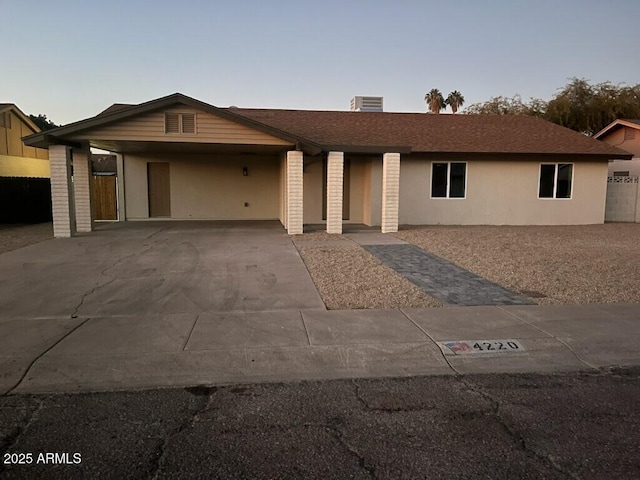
(72, 59)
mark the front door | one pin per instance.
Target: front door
(159, 189)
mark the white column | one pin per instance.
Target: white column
(82, 189)
(294, 193)
(335, 179)
(390, 191)
(61, 191)
(122, 210)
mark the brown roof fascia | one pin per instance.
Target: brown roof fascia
(368, 148)
(533, 156)
(126, 112)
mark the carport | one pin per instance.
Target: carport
(182, 159)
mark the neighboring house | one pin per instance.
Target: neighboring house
(180, 158)
(25, 194)
(623, 191)
(624, 134)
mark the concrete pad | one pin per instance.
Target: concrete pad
(607, 350)
(136, 268)
(593, 327)
(248, 290)
(541, 355)
(538, 313)
(69, 373)
(373, 238)
(133, 334)
(249, 330)
(464, 323)
(31, 337)
(324, 243)
(347, 327)
(11, 371)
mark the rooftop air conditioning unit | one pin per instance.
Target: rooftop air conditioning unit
(366, 104)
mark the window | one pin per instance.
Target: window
(180, 123)
(555, 180)
(448, 179)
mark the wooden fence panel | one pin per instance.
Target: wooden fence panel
(105, 199)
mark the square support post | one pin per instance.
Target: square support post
(390, 192)
(294, 193)
(61, 191)
(122, 208)
(82, 189)
(335, 180)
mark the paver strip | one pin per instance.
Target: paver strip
(442, 279)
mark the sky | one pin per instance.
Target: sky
(70, 60)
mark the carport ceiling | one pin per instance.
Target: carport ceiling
(127, 146)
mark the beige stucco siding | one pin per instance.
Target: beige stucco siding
(312, 189)
(502, 193)
(209, 187)
(313, 185)
(209, 129)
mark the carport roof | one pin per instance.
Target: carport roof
(375, 132)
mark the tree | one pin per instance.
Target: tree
(435, 100)
(43, 122)
(579, 105)
(455, 100)
(508, 106)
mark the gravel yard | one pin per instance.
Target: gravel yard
(551, 264)
(348, 277)
(13, 237)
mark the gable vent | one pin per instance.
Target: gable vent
(180, 123)
(366, 104)
(629, 133)
(188, 123)
(5, 119)
(171, 123)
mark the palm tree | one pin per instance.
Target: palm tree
(435, 100)
(455, 100)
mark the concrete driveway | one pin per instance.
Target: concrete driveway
(139, 268)
(155, 304)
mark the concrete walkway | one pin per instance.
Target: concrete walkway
(147, 351)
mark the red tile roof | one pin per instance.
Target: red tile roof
(431, 133)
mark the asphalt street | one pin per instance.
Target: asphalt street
(499, 426)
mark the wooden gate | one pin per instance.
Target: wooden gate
(105, 197)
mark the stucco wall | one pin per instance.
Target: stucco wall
(623, 201)
(617, 139)
(313, 180)
(631, 166)
(208, 187)
(501, 193)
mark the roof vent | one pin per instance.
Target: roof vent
(366, 104)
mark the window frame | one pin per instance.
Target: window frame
(448, 197)
(181, 123)
(555, 180)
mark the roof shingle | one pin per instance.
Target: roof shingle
(431, 133)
